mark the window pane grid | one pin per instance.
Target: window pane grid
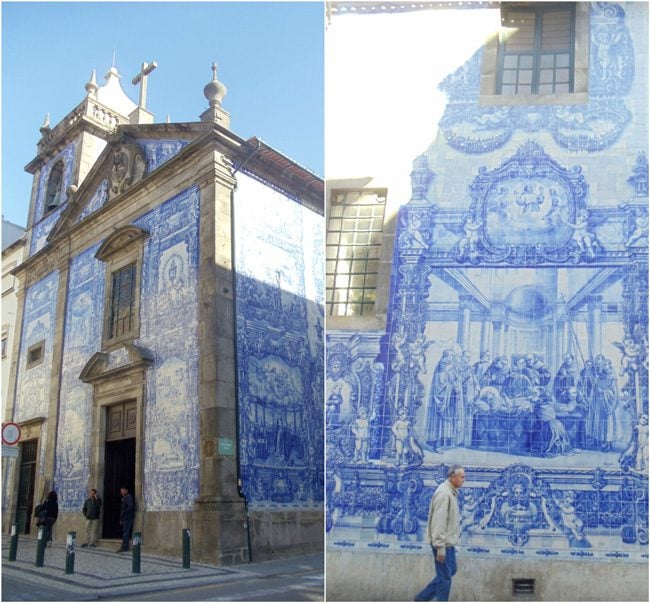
(122, 301)
(536, 50)
(354, 231)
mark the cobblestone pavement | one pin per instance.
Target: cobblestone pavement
(102, 573)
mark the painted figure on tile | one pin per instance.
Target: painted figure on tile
(404, 438)
(582, 237)
(566, 376)
(445, 418)
(601, 419)
(417, 359)
(553, 216)
(545, 410)
(361, 431)
(468, 245)
(587, 381)
(481, 366)
(529, 200)
(399, 344)
(518, 384)
(537, 372)
(339, 403)
(639, 236)
(175, 283)
(573, 525)
(631, 363)
(497, 373)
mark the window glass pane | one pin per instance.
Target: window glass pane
(350, 211)
(562, 60)
(546, 88)
(547, 60)
(343, 266)
(348, 225)
(329, 266)
(508, 90)
(330, 252)
(546, 76)
(370, 295)
(333, 238)
(364, 224)
(373, 266)
(365, 211)
(347, 238)
(562, 75)
(359, 266)
(373, 252)
(525, 77)
(342, 281)
(556, 30)
(509, 77)
(329, 281)
(336, 211)
(371, 280)
(357, 281)
(526, 62)
(562, 88)
(524, 89)
(510, 61)
(334, 224)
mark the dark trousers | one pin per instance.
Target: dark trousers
(127, 528)
(438, 589)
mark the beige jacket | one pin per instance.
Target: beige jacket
(443, 527)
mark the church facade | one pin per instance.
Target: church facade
(169, 341)
(506, 328)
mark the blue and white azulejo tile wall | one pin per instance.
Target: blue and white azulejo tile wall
(279, 286)
(516, 337)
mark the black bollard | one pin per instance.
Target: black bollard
(13, 545)
(137, 541)
(186, 549)
(40, 547)
(69, 552)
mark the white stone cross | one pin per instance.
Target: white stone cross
(141, 79)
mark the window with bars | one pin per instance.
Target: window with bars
(122, 311)
(354, 231)
(536, 49)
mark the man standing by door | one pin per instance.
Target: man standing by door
(92, 507)
(443, 531)
(127, 515)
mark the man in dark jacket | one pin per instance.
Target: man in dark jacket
(51, 512)
(91, 509)
(127, 515)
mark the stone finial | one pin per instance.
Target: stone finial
(45, 128)
(215, 90)
(91, 86)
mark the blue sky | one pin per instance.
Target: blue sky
(270, 57)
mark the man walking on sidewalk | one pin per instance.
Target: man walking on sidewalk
(443, 532)
(127, 515)
(91, 510)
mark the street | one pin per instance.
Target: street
(303, 586)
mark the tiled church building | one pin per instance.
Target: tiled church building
(495, 314)
(170, 321)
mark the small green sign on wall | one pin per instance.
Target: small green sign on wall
(226, 446)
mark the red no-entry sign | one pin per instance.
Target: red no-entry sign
(10, 434)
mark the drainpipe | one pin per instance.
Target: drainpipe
(234, 303)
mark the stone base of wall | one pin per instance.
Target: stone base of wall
(285, 533)
(386, 577)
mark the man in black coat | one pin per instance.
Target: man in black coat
(92, 507)
(127, 515)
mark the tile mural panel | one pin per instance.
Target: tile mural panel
(32, 384)
(169, 287)
(82, 339)
(43, 224)
(516, 340)
(279, 285)
(597, 125)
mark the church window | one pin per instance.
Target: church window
(538, 56)
(35, 354)
(354, 233)
(5, 342)
(122, 311)
(536, 49)
(54, 186)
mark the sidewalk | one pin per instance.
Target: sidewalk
(101, 572)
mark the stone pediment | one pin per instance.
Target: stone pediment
(126, 358)
(121, 166)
